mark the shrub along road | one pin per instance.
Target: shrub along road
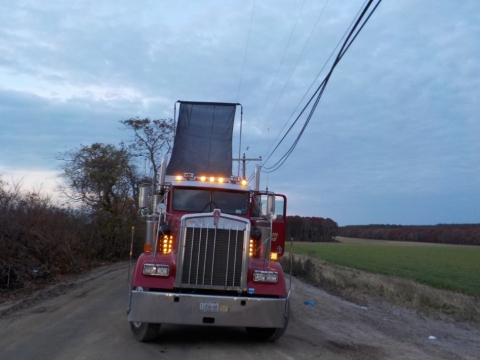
(86, 319)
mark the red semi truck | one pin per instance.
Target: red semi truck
(213, 241)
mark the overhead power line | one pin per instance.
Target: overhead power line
(362, 19)
(283, 58)
(316, 77)
(246, 49)
(293, 70)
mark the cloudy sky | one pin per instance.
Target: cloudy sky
(395, 138)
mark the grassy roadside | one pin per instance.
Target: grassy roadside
(362, 286)
(454, 268)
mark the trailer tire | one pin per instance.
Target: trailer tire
(145, 332)
(269, 334)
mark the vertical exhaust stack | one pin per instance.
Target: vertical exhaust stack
(146, 203)
(163, 171)
(150, 235)
(143, 195)
(156, 199)
(257, 178)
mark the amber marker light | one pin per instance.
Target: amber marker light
(244, 182)
(147, 247)
(179, 177)
(167, 244)
(252, 249)
(220, 180)
(273, 256)
(212, 179)
(203, 178)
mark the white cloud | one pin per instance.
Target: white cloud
(33, 180)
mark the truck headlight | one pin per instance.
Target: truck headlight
(265, 276)
(156, 270)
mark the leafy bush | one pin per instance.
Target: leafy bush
(40, 240)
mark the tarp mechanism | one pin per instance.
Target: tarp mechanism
(203, 139)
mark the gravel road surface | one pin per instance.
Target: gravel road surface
(85, 318)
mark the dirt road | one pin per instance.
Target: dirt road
(88, 321)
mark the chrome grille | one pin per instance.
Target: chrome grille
(212, 258)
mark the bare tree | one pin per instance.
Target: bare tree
(152, 139)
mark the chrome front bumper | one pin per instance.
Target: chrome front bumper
(187, 309)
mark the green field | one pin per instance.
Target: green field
(449, 267)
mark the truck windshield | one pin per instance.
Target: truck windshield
(203, 200)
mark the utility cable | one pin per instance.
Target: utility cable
(278, 68)
(246, 50)
(346, 45)
(295, 67)
(281, 61)
(313, 82)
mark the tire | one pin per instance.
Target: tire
(269, 334)
(144, 332)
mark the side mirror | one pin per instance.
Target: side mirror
(271, 203)
(271, 207)
(161, 208)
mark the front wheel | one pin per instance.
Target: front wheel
(269, 334)
(144, 332)
(265, 334)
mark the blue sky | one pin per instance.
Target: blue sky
(395, 138)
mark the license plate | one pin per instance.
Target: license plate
(209, 306)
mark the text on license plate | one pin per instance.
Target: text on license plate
(208, 306)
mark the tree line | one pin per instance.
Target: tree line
(311, 229)
(461, 234)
